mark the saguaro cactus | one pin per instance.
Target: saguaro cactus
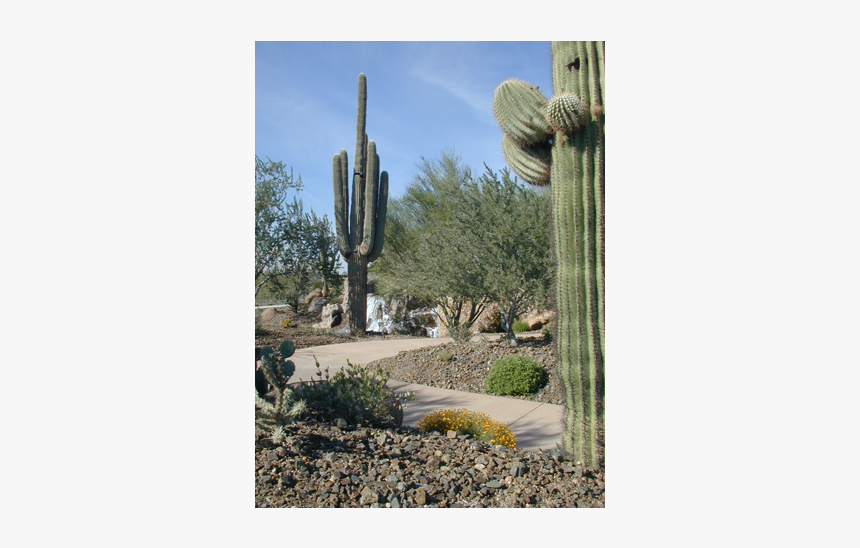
(560, 141)
(360, 237)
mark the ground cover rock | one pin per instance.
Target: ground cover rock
(296, 472)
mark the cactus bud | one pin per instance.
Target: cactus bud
(566, 113)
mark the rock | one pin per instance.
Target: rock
(493, 484)
(368, 496)
(420, 497)
(397, 307)
(311, 296)
(268, 315)
(331, 315)
(316, 305)
(395, 503)
(452, 434)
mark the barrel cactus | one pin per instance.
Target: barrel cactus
(560, 142)
(361, 228)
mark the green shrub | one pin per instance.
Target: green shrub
(444, 355)
(547, 334)
(515, 376)
(520, 326)
(354, 394)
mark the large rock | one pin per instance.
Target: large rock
(268, 315)
(397, 307)
(316, 305)
(332, 316)
(275, 315)
(311, 296)
(537, 319)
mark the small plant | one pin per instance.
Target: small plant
(519, 326)
(463, 421)
(287, 322)
(278, 434)
(355, 394)
(277, 371)
(515, 376)
(460, 333)
(444, 355)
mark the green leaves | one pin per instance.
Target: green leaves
(463, 242)
(515, 376)
(293, 248)
(354, 393)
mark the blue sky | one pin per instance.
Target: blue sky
(422, 98)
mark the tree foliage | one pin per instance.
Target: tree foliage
(294, 249)
(513, 225)
(463, 242)
(429, 254)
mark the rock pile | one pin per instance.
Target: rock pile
(323, 465)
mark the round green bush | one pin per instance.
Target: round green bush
(515, 376)
(520, 326)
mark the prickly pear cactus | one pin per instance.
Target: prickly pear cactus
(361, 228)
(560, 141)
(275, 372)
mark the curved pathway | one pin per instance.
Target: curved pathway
(536, 425)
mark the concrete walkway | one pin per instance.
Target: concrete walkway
(535, 425)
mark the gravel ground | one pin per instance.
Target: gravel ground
(320, 465)
(469, 364)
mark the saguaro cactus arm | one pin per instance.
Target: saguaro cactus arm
(340, 183)
(381, 212)
(370, 197)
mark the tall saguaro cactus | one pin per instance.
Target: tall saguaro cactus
(560, 141)
(360, 228)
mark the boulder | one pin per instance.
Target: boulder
(397, 307)
(268, 315)
(311, 296)
(316, 305)
(332, 315)
(537, 319)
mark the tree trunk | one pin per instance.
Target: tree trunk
(508, 326)
(357, 276)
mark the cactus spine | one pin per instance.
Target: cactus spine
(360, 237)
(575, 170)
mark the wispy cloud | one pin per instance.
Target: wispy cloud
(475, 98)
(458, 72)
